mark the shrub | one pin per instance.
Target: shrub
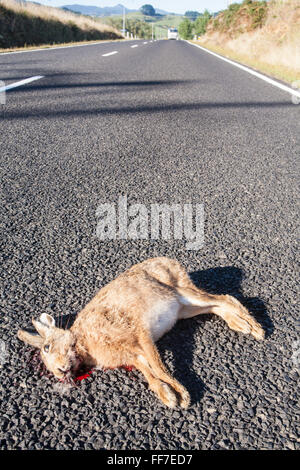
(201, 23)
(185, 29)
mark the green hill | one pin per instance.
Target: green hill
(161, 22)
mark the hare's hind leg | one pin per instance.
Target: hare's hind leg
(194, 302)
(148, 361)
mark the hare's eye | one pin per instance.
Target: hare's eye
(46, 348)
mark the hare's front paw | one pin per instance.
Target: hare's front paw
(167, 395)
(184, 399)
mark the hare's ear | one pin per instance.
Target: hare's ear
(44, 324)
(30, 338)
(47, 320)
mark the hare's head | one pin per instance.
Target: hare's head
(57, 346)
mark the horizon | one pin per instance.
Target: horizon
(170, 6)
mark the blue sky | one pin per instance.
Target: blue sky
(175, 6)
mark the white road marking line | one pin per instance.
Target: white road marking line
(252, 72)
(135, 45)
(145, 42)
(20, 83)
(110, 53)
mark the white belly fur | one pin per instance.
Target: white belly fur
(162, 317)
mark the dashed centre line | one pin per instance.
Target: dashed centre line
(38, 77)
(110, 53)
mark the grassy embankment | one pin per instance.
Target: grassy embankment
(263, 35)
(24, 25)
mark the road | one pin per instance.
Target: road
(165, 123)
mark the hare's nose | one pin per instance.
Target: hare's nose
(63, 371)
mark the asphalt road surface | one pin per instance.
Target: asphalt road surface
(165, 123)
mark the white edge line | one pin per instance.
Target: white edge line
(109, 53)
(252, 72)
(61, 47)
(20, 83)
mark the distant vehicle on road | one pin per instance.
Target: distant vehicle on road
(173, 33)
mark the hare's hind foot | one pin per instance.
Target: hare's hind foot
(239, 319)
(246, 326)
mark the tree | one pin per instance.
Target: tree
(185, 29)
(191, 15)
(201, 23)
(134, 26)
(148, 10)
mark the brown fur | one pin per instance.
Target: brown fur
(121, 323)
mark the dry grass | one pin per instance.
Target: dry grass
(51, 13)
(27, 24)
(273, 48)
(281, 72)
